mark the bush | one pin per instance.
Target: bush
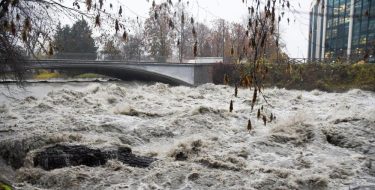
(326, 77)
(44, 75)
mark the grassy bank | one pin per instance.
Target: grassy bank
(88, 76)
(326, 77)
(45, 75)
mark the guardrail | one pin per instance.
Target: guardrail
(107, 62)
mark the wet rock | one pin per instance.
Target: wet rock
(14, 151)
(346, 120)
(193, 176)
(181, 156)
(59, 156)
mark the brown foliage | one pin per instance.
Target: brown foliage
(249, 126)
(231, 106)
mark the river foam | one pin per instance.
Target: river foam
(318, 140)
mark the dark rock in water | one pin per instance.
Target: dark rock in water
(346, 120)
(181, 156)
(14, 151)
(59, 156)
(193, 176)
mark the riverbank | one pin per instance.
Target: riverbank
(325, 77)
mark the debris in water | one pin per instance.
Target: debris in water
(231, 106)
(60, 156)
(265, 120)
(249, 125)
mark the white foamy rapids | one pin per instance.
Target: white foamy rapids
(319, 140)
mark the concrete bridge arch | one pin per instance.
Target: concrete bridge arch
(174, 74)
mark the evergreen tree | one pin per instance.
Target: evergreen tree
(75, 42)
(133, 49)
(159, 33)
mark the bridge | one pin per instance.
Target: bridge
(189, 74)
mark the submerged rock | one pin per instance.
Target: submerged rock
(59, 156)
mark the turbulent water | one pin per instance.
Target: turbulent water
(318, 140)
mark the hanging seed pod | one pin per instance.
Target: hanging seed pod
(15, 3)
(195, 49)
(97, 20)
(120, 11)
(153, 4)
(50, 49)
(156, 16)
(88, 4)
(232, 51)
(261, 108)
(264, 120)
(171, 24)
(24, 35)
(13, 28)
(194, 32)
(235, 90)
(183, 18)
(116, 26)
(178, 42)
(258, 114)
(271, 117)
(253, 44)
(77, 5)
(231, 106)
(6, 25)
(100, 4)
(254, 98)
(125, 36)
(18, 17)
(249, 127)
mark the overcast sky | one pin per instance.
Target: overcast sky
(294, 35)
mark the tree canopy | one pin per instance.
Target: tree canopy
(75, 41)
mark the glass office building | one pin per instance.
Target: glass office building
(342, 29)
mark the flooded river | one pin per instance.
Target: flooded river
(318, 140)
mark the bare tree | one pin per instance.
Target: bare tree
(28, 24)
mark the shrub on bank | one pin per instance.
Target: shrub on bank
(45, 75)
(326, 77)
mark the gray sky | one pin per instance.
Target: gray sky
(294, 34)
